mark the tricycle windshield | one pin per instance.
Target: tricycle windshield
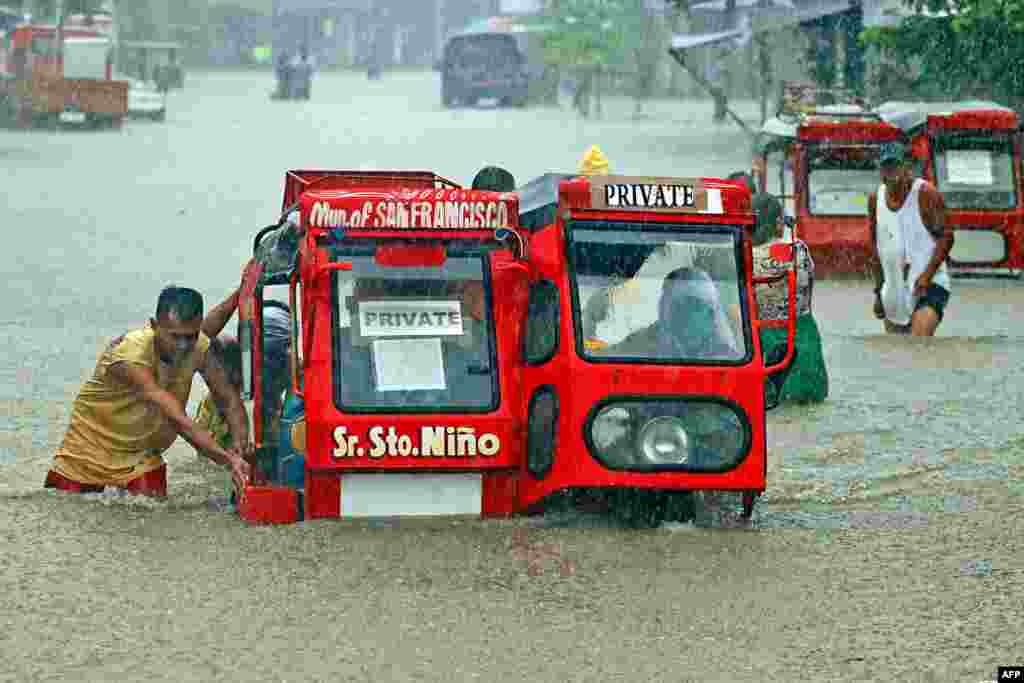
(975, 172)
(658, 293)
(839, 179)
(416, 339)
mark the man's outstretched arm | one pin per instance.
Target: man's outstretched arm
(149, 391)
(216, 378)
(219, 315)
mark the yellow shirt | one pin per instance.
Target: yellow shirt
(114, 435)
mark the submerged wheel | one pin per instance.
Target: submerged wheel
(639, 508)
(680, 506)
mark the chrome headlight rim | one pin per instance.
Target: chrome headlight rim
(647, 434)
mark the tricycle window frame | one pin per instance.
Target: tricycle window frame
(942, 143)
(538, 289)
(678, 226)
(809, 148)
(367, 248)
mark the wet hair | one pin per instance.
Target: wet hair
(228, 353)
(768, 210)
(184, 303)
(494, 179)
(743, 177)
(685, 275)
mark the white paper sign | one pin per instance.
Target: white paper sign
(408, 364)
(969, 166)
(410, 318)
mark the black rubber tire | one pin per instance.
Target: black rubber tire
(680, 506)
(639, 508)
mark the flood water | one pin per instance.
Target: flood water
(887, 545)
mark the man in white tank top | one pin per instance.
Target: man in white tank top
(912, 241)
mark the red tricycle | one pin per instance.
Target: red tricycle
(469, 352)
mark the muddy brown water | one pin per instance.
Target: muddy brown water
(887, 546)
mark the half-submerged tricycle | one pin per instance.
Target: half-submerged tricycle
(479, 353)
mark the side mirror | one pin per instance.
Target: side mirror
(773, 387)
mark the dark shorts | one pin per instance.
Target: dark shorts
(935, 298)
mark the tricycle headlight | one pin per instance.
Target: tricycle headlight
(698, 434)
(664, 441)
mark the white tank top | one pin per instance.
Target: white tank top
(904, 240)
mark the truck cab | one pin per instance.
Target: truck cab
(52, 84)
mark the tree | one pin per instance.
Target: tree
(593, 37)
(961, 48)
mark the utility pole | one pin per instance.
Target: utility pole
(438, 31)
(116, 37)
(60, 36)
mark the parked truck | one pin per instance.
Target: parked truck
(53, 78)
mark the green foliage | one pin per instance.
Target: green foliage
(592, 32)
(976, 50)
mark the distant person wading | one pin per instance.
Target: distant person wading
(907, 217)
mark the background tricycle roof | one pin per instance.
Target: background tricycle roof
(910, 115)
(150, 45)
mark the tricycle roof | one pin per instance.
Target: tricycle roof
(909, 116)
(833, 123)
(150, 45)
(628, 194)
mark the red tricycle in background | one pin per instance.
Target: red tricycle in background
(477, 353)
(821, 160)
